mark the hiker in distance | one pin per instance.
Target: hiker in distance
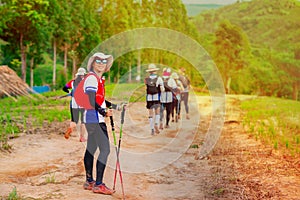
(176, 97)
(166, 98)
(75, 109)
(185, 93)
(154, 86)
(94, 118)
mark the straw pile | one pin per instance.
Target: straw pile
(11, 84)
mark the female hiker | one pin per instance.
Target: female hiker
(176, 98)
(185, 93)
(75, 109)
(94, 118)
(166, 98)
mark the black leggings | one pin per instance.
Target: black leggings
(168, 107)
(175, 107)
(97, 138)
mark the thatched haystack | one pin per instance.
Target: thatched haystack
(11, 84)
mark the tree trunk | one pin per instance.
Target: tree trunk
(118, 74)
(74, 66)
(31, 71)
(228, 82)
(54, 63)
(129, 73)
(23, 58)
(66, 61)
(138, 78)
(295, 91)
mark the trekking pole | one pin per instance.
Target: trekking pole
(118, 167)
(119, 147)
(115, 143)
(63, 96)
(116, 148)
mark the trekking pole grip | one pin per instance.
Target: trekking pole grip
(112, 121)
(123, 114)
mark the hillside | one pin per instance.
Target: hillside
(195, 9)
(268, 23)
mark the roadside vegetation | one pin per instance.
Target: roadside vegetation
(275, 122)
(13, 195)
(30, 112)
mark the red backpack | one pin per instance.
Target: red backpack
(82, 99)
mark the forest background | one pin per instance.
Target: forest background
(255, 44)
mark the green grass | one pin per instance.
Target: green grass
(274, 121)
(125, 92)
(218, 191)
(30, 112)
(194, 146)
(13, 195)
(50, 178)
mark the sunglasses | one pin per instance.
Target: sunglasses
(99, 61)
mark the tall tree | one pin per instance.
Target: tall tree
(116, 18)
(58, 20)
(291, 65)
(231, 50)
(75, 30)
(27, 20)
(89, 35)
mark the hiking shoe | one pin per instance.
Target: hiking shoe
(102, 189)
(68, 133)
(88, 185)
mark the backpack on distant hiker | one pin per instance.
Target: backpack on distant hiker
(184, 80)
(167, 87)
(82, 99)
(151, 86)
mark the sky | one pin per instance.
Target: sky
(209, 1)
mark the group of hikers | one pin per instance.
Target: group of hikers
(89, 104)
(165, 93)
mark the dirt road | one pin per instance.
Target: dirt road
(46, 166)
